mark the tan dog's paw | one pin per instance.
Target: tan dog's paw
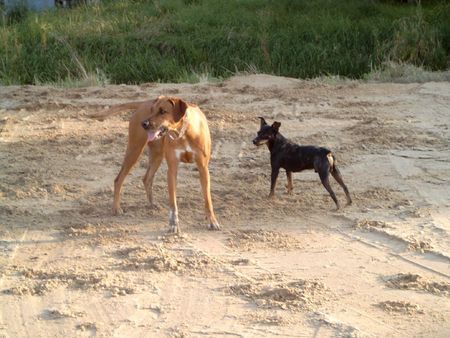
(155, 206)
(173, 229)
(173, 222)
(214, 226)
(116, 211)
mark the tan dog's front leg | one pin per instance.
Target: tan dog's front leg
(172, 171)
(206, 188)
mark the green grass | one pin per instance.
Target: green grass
(174, 40)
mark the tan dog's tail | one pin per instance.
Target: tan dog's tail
(116, 109)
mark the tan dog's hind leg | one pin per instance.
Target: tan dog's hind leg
(206, 189)
(172, 171)
(137, 139)
(155, 159)
(131, 157)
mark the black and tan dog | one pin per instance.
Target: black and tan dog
(294, 158)
(174, 130)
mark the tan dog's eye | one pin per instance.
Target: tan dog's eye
(161, 111)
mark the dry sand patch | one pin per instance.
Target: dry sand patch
(250, 239)
(296, 295)
(39, 282)
(409, 281)
(400, 307)
(287, 260)
(159, 259)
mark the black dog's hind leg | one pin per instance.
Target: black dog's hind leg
(289, 186)
(324, 174)
(273, 181)
(337, 176)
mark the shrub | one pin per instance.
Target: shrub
(415, 42)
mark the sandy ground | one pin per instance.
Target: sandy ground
(289, 268)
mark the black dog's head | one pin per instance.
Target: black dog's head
(266, 133)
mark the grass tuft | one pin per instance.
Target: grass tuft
(406, 73)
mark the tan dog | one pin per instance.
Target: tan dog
(173, 130)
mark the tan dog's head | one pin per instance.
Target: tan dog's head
(165, 114)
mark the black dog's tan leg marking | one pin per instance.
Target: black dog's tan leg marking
(337, 176)
(273, 181)
(289, 186)
(154, 162)
(324, 175)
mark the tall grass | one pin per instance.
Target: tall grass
(176, 40)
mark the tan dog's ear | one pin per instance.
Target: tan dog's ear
(180, 108)
(276, 126)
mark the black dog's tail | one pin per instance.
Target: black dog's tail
(332, 161)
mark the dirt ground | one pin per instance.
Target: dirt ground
(293, 267)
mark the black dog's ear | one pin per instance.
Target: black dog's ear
(276, 125)
(263, 122)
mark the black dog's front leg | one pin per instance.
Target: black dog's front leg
(273, 181)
